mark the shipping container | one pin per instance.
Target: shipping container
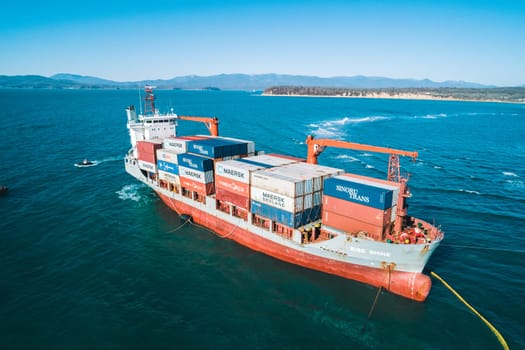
(196, 162)
(168, 155)
(353, 226)
(232, 185)
(168, 167)
(235, 170)
(389, 185)
(149, 146)
(277, 183)
(357, 211)
(250, 145)
(147, 166)
(196, 175)
(347, 189)
(147, 157)
(176, 144)
(284, 156)
(267, 160)
(277, 200)
(284, 217)
(234, 198)
(201, 188)
(169, 177)
(217, 148)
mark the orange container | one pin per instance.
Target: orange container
(232, 185)
(351, 225)
(195, 186)
(357, 211)
(233, 198)
(148, 146)
(147, 157)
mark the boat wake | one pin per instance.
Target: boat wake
(97, 162)
(129, 192)
(332, 128)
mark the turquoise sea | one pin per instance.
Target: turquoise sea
(91, 259)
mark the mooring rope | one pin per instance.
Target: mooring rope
(372, 309)
(492, 328)
(180, 226)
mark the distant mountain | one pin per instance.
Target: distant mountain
(228, 82)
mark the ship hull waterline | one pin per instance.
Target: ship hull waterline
(411, 285)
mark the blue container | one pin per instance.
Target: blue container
(284, 217)
(218, 148)
(168, 167)
(349, 190)
(194, 161)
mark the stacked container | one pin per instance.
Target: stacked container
(218, 148)
(354, 204)
(147, 154)
(285, 194)
(232, 182)
(196, 173)
(167, 166)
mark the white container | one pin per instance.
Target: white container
(176, 145)
(169, 177)
(196, 175)
(235, 170)
(277, 183)
(277, 200)
(168, 155)
(152, 168)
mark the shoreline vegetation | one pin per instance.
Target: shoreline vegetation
(500, 94)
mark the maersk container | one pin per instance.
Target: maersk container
(168, 167)
(176, 144)
(345, 188)
(277, 200)
(147, 166)
(196, 162)
(284, 217)
(235, 170)
(277, 183)
(196, 175)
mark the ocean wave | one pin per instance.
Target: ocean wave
(431, 116)
(469, 191)
(347, 158)
(509, 173)
(332, 128)
(129, 192)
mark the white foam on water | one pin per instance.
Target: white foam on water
(129, 192)
(509, 173)
(347, 158)
(469, 191)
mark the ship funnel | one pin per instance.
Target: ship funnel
(132, 114)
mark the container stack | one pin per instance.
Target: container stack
(196, 173)
(290, 194)
(358, 204)
(167, 166)
(147, 155)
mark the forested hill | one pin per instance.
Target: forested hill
(503, 94)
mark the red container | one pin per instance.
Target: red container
(232, 186)
(201, 188)
(233, 198)
(351, 225)
(357, 211)
(148, 146)
(147, 157)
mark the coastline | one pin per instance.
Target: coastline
(510, 95)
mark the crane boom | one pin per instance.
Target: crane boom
(212, 123)
(315, 147)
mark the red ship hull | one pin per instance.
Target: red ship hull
(412, 285)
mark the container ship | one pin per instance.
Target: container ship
(289, 208)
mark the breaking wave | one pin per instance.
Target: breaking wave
(509, 173)
(332, 128)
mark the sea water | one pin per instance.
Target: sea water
(92, 259)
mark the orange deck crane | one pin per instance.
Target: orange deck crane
(212, 123)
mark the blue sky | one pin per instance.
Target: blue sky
(478, 41)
